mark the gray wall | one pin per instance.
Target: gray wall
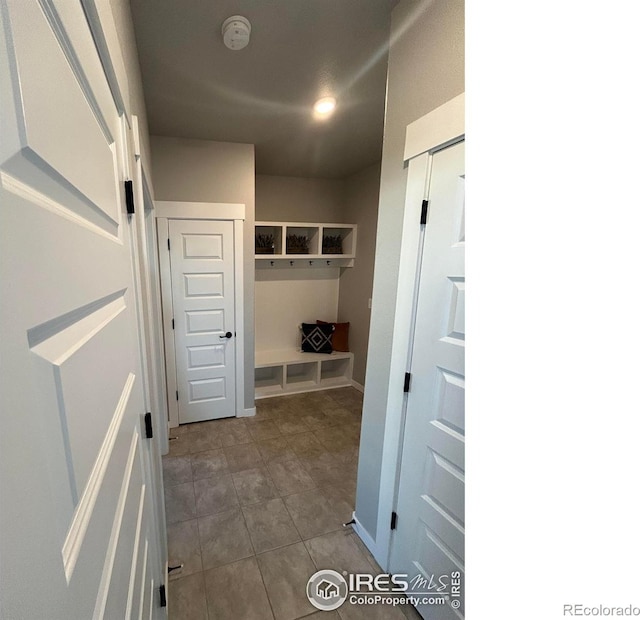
(298, 199)
(356, 283)
(426, 69)
(206, 171)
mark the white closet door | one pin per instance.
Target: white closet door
(203, 293)
(429, 540)
(77, 533)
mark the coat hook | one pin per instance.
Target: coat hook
(328, 262)
(291, 263)
(311, 262)
(272, 263)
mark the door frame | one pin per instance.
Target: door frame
(102, 25)
(175, 210)
(153, 351)
(433, 131)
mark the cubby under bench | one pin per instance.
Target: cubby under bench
(294, 372)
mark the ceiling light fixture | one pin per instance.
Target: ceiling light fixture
(236, 32)
(325, 106)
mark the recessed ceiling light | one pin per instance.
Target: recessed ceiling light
(325, 106)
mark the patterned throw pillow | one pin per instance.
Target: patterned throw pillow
(316, 338)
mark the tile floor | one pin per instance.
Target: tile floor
(256, 505)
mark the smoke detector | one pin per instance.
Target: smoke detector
(236, 32)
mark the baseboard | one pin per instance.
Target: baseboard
(246, 413)
(358, 386)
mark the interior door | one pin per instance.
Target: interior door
(429, 540)
(77, 533)
(203, 294)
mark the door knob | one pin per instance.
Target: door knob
(227, 335)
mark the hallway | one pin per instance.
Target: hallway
(256, 505)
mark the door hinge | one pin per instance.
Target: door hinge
(148, 425)
(394, 520)
(169, 245)
(173, 323)
(163, 596)
(128, 194)
(407, 381)
(177, 395)
(425, 209)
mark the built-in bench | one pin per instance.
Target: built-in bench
(293, 372)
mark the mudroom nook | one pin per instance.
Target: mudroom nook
(298, 269)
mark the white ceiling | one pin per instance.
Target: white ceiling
(300, 50)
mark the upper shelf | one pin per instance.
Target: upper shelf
(302, 240)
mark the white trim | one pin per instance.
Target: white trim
(136, 547)
(165, 211)
(366, 538)
(238, 265)
(150, 256)
(392, 446)
(444, 125)
(162, 226)
(105, 35)
(246, 413)
(199, 210)
(434, 130)
(305, 390)
(135, 129)
(84, 509)
(157, 385)
(22, 190)
(145, 255)
(140, 266)
(107, 569)
(358, 386)
(167, 590)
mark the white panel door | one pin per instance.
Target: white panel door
(77, 530)
(203, 294)
(429, 540)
